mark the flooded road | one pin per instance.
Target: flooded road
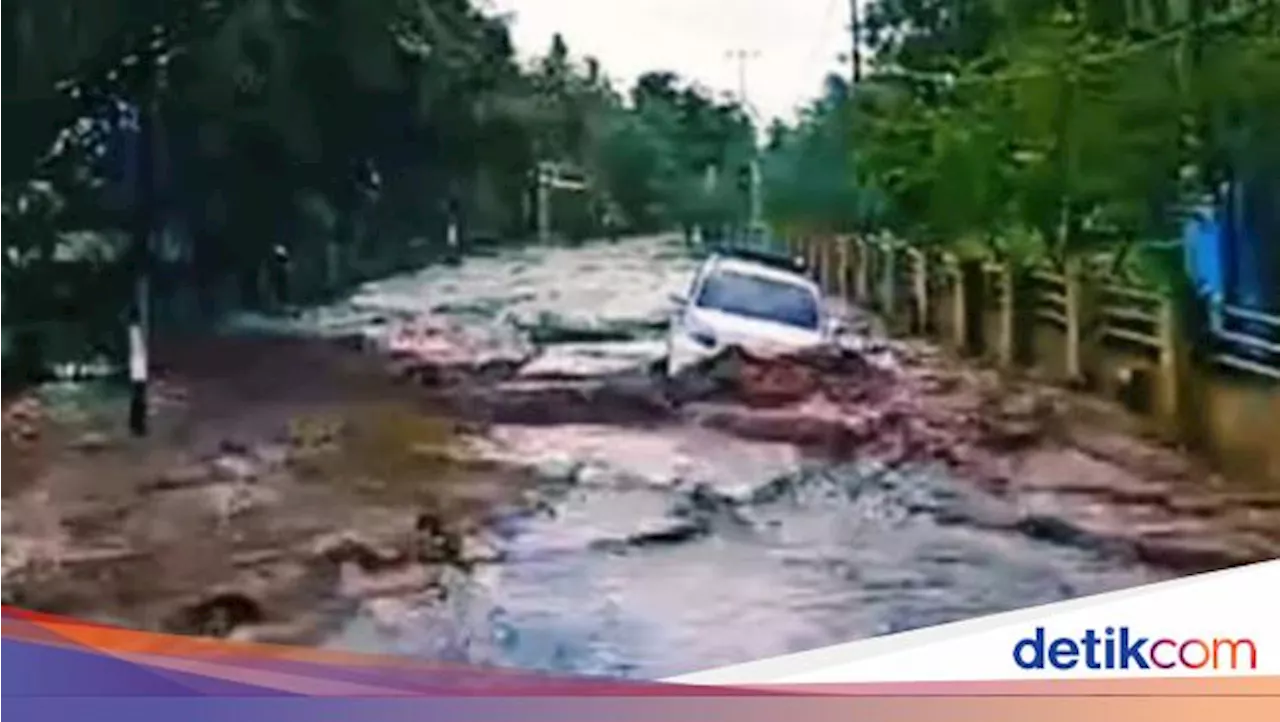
(656, 547)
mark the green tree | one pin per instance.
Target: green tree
(1058, 126)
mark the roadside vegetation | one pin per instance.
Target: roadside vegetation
(347, 131)
(1035, 130)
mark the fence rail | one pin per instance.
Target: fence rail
(1123, 308)
(1142, 295)
(1189, 401)
(1050, 298)
(1262, 342)
(1127, 313)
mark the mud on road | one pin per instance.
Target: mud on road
(477, 464)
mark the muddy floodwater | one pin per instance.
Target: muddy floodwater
(620, 572)
(649, 538)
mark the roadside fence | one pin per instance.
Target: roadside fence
(1078, 325)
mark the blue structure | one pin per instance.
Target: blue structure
(1233, 255)
(1203, 240)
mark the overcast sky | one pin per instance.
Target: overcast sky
(798, 41)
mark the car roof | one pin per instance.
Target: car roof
(759, 270)
(766, 256)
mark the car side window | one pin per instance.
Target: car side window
(695, 287)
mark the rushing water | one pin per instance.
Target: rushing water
(652, 552)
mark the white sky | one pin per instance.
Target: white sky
(798, 41)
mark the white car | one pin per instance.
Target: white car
(749, 300)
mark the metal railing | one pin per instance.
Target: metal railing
(1261, 353)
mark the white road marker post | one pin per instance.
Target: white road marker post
(146, 224)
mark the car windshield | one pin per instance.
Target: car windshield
(762, 298)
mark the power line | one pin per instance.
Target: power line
(970, 77)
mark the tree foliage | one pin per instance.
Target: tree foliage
(1054, 126)
(346, 130)
(811, 178)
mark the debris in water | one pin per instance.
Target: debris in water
(349, 546)
(674, 530)
(217, 615)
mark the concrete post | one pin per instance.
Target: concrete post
(862, 283)
(969, 303)
(920, 278)
(831, 245)
(834, 257)
(544, 206)
(842, 243)
(1075, 319)
(875, 275)
(889, 283)
(1021, 314)
(1172, 368)
(824, 254)
(1007, 343)
(959, 314)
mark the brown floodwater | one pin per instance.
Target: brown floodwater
(618, 525)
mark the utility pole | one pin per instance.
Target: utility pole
(855, 33)
(742, 56)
